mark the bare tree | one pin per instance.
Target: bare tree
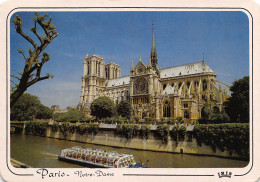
(34, 62)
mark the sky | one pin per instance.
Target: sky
(181, 37)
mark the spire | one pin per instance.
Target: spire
(149, 63)
(153, 56)
(132, 66)
(153, 44)
(140, 58)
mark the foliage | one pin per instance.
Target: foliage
(137, 118)
(181, 132)
(123, 109)
(179, 120)
(72, 115)
(64, 128)
(237, 106)
(233, 137)
(54, 127)
(103, 107)
(113, 120)
(44, 112)
(211, 116)
(34, 62)
(178, 133)
(145, 131)
(36, 127)
(88, 128)
(29, 107)
(128, 130)
(162, 132)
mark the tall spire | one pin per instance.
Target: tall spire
(153, 44)
(132, 66)
(153, 55)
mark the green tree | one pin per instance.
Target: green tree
(36, 59)
(103, 107)
(237, 106)
(124, 108)
(29, 107)
(69, 116)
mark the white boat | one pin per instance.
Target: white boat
(99, 158)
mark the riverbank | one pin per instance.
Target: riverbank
(222, 140)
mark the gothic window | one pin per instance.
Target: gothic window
(106, 72)
(98, 69)
(185, 106)
(116, 73)
(88, 68)
(172, 84)
(140, 86)
(186, 115)
(166, 109)
(204, 85)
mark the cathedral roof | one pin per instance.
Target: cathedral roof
(187, 69)
(118, 81)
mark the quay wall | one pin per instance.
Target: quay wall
(108, 138)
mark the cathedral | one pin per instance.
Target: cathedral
(179, 91)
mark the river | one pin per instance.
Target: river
(41, 152)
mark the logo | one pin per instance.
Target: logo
(224, 174)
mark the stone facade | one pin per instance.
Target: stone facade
(180, 91)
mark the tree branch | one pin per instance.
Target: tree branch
(36, 80)
(28, 39)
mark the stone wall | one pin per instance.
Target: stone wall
(108, 138)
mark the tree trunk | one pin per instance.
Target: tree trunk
(15, 96)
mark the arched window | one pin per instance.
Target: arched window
(204, 85)
(166, 109)
(88, 68)
(98, 69)
(106, 72)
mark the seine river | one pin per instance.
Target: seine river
(41, 152)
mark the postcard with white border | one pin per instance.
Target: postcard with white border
(129, 90)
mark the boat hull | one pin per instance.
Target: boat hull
(83, 163)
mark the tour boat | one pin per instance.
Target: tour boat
(99, 158)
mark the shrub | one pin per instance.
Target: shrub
(162, 132)
(145, 131)
(36, 127)
(54, 127)
(233, 137)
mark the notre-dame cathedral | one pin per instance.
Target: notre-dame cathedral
(179, 91)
